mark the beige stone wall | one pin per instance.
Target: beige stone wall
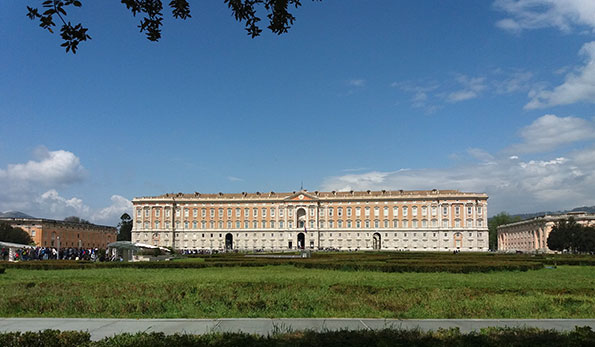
(428, 222)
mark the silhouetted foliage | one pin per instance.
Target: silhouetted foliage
(75, 219)
(493, 224)
(568, 235)
(14, 235)
(244, 11)
(125, 228)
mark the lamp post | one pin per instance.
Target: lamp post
(58, 247)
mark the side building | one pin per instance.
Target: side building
(434, 220)
(62, 234)
(531, 235)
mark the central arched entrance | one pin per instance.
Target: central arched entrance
(376, 241)
(228, 241)
(301, 240)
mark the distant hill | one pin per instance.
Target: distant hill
(588, 209)
(14, 214)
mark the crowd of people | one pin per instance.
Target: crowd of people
(48, 253)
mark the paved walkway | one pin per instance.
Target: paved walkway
(100, 328)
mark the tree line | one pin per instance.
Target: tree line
(570, 236)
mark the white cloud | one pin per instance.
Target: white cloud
(578, 85)
(513, 185)
(356, 83)
(111, 213)
(534, 14)
(549, 131)
(33, 187)
(235, 179)
(54, 168)
(471, 87)
(518, 81)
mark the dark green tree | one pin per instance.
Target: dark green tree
(493, 224)
(14, 235)
(586, 242)
(568, 235)
(125, 228)
(244, 11)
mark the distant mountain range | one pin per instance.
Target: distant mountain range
(588, 209)
(14, 214)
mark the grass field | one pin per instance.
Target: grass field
(288, 291)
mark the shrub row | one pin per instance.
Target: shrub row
(454, 267)
(581, 336)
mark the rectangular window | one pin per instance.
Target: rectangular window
(434, 210)
(147, 212)
(203, 212)
(457, 210)
(367, 213)
(264, 212)
(339, 211)
(405, 224)
(281, 224)
(290, 212)
(272, 224)
(255, 212)
(139, 212)
(167, 212)
(358, 211)
(445, 210)
(229, 213)
(212, 213)
(238, 212)
(424, 210)
(157, 212)
(348, 211)
(469, 210)
(331, 224)
(177, 212)
(405, 210)
(385, 211)
(186, 213)
(195, 213)
(445, 223)
(312, 212)
(272, 212)
(414, 211)
(220, 213)
(331, 211)
(376, 211)
(281, 212)
(395, 211)
(479, 210)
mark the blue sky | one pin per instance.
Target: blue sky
(487, 96)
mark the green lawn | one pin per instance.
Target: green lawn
(287, 291)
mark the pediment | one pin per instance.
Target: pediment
(301, 196)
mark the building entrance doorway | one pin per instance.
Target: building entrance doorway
(301, 240)
(228, 241)
(376, 241)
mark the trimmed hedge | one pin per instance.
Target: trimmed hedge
(497, 337)
(346, 261)
(2, 270)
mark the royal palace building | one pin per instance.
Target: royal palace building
(531, 235)
(434, 220)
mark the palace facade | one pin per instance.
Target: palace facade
(531, 235)
(434, 220)
(62, 234)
